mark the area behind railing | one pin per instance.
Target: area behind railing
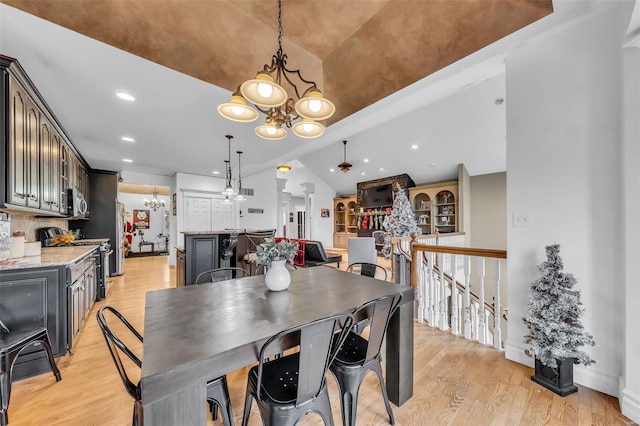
(452, 285)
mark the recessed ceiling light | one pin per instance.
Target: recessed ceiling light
(332, 170)
(128, 139)
(432, 164)
(366, 160)
(382, 169)
(126, 160)
(414, 146)
(216, 172)
(125, 96)
(363, 173)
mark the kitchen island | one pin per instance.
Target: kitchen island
(55, 290)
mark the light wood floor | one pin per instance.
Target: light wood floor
(456, 382)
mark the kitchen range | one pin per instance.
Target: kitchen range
(50, 238)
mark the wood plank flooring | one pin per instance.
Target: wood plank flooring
(457, 382)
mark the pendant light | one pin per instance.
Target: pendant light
(239, 197)
(345, 166)
(228, 190)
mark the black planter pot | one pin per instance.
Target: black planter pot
(559, 379)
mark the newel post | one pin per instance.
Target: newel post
(414, 262)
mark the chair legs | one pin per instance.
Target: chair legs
(218, 396)
(349, 379)
(6, 366)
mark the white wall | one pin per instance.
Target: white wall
(264, 197)
(488, 221)
(563, 168)
(156, 218)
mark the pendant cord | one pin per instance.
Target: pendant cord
(279, 25)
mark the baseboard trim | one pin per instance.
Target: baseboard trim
(585, 376)
(629, 402)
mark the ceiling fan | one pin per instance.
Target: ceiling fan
(345, 166)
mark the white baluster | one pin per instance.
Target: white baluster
(421, 288)
(467, 297)
(482, 331)
(455, 326)
(444, 323)
(497, 331)
(431, 309)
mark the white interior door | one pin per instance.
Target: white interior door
(198, 214)
(223, 215)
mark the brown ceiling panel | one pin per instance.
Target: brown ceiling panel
(409, 40)
(370, 49)
(213, 41)
(318, 26)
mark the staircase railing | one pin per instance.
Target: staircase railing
(463, 308)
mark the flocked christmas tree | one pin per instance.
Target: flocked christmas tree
(401, 220)
(555, 331)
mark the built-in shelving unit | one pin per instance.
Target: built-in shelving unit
(435, 207)
(346, 220)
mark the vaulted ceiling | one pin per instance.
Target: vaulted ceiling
(357, 51)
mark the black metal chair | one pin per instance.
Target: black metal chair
(289, 387)
(368, 269)
(358, 356)
(217, 390)
(221, 274)
(11, 344)
(254, 239)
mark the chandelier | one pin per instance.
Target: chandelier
(154, 203)
(271, 99)
(345, 166)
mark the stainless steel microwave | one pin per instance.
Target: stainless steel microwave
(77, 205)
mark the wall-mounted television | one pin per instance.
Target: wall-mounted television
(378, 196)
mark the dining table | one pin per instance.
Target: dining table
(196, 333)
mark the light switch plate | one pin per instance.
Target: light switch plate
(522, 219)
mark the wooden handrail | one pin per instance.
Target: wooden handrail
(465, 251)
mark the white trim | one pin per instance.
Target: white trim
(597, 380)
(515, 352)
(629, 402)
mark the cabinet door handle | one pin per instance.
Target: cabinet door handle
(82, 288)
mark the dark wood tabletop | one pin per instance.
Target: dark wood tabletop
(197, 333)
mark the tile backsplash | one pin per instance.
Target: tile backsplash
(30, 225)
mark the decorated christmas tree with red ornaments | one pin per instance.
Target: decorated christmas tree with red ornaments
(401, 221)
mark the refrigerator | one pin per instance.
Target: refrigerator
(106, 216)
(118, 250)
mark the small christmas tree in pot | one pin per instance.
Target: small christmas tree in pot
(401, 221)
(555, 331)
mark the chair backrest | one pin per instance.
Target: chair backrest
(3, 328)
(254, 239)
(368, 269)
(318, 343)
(362, 249)
(379, 311)
(116, 346)
(220, 274)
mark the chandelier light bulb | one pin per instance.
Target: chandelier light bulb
(238, 111)
(308, 129)
(271, 130)
(315, 105)
(265, 90)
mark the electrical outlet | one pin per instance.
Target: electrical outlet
(522, 219)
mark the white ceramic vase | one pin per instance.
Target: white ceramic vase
(277, 277)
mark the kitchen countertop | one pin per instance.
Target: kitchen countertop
(51, 256)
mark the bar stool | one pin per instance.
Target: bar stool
(11, 344)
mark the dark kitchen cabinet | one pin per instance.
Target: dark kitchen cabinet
(30, 298)
(41, 160)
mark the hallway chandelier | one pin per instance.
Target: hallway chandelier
(270, 98)
(345, 166)
(228, 189)
(154, 203)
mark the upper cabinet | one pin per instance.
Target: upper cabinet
(41, 164)
(435, 207)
